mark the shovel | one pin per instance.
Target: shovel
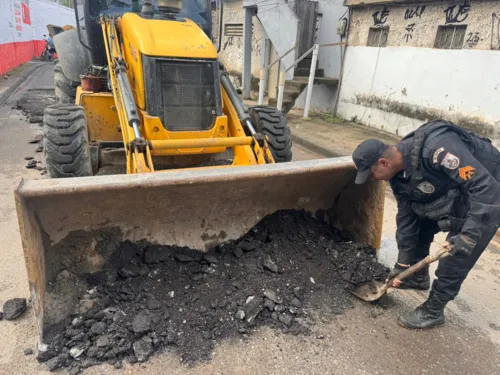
(373, 290)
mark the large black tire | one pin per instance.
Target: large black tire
(274, 124)
(65, 141)
(64, 87)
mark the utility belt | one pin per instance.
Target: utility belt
(448, 211)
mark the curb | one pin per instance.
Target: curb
(313, 147)
(17, 83)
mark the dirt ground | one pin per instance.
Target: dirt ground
(364, 340)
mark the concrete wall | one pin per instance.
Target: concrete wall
(321, 99)
(329, 58)
(232, 46)
(22, 26)
(398, 87)
(282, 27)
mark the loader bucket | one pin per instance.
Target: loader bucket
(70, 227)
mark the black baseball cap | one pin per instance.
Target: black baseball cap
(365, 155)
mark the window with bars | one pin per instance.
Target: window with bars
(450, 36)
(377, 37)
(233, 29)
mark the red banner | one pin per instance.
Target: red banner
(26, 14)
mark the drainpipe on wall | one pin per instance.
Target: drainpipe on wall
(247, 52)
(342, 55)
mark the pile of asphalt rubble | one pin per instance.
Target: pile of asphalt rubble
(166, 298)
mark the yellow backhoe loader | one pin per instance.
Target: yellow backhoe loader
(141, 93)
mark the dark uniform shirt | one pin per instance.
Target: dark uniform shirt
(448, 163)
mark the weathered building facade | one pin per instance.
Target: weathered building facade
(412, 61)
(278, 25)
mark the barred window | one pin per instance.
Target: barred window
(377, 36)
(450, 36)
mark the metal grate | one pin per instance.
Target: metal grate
(450, 36)
(233, 29)
(188, 97)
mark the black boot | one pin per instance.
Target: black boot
(427, 315)
(419, 280)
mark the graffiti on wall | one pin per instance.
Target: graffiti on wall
(380, 16)
(472, 39)
(415, 12)
(409, 31)
(457, 13)
(412, 13)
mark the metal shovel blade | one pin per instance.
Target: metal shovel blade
(370, 291)
(373, 290)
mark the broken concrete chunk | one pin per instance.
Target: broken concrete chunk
(77, 351)
(98, 328)
(252, 307)
(271, 294)
(14, 308)
(142, 350)
(240, 315)
(53, 364)
(285, 319)
(269, 264)
(153, 304)
(238, 253)
(297, 291)
(103, 341)
(141, 323)
(269, 304)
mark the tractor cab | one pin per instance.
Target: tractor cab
(89, 12)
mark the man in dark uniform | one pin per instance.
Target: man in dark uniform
(444, 179)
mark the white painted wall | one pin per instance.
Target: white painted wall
(42, 13)
(459, 85)
(281, 26)
(329, 57)
(321, 98)
(45, 12)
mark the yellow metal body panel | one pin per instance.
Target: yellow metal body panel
(178, 39)
(128, 38)
(161, 38)
(153, 130)
(102, 118)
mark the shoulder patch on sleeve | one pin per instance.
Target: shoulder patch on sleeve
(450, 161)
(436, 155)
(467, 172)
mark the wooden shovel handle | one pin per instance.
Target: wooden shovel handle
(441, 253)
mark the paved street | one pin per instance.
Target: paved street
(364, 340)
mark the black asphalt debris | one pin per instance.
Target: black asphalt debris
(14, 308)
(152, 298)
(31, 164)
